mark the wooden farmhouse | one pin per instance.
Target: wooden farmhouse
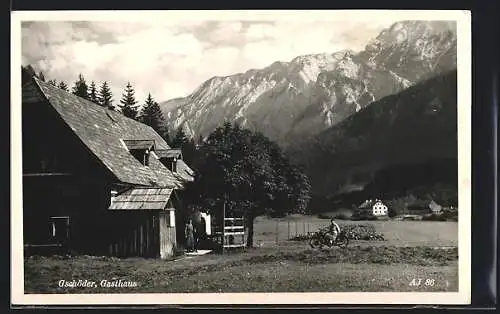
(95, 181)
(423, 207)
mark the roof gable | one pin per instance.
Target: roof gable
(169, 153)
(139, 144)
(104, 132)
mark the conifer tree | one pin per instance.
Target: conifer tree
(200, 140)
(63, 86)
(180, 138)
(53, 82)
(93, 93)
(105, 96)
(80, 88)
(166, 136)
(41, 76)
(151, 115)
(187, 145)
(128, 102)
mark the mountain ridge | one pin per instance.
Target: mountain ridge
(416, 126)
(310, 93)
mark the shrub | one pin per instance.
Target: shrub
(179, 251)
(301, 237)
(339, 216)
(342, 216)
(324, 216)
(450, 214)
(434, 217)
(358, 217)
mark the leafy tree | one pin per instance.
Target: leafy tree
(151, 115)
(53, 82)
(105, 96)
(249, 175)
(80, 88)
(93, 93)
(128, 103)
(63, 86)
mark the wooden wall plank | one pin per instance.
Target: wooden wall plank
(168, 236)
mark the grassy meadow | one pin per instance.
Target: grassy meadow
(412, 249)
(396, 232)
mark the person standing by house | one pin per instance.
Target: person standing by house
(196, 236)
(189, 232)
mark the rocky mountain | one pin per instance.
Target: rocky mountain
(288, 101)
(399, 142)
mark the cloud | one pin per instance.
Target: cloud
(172, 58)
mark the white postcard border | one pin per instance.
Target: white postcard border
(464, 55)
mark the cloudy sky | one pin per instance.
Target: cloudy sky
(171, 59)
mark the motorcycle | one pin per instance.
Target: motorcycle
(323, 238)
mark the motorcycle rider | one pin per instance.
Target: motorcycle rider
(333, 230)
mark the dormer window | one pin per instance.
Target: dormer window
(140, 149)
(169, 158)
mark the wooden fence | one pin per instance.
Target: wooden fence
(277, 231)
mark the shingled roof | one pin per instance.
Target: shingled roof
(183, 171)
(141, 199)
(104, 132)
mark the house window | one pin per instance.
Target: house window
(168, 217)
(113, 195)
(172, 218)
(141, 155)
(59, 229)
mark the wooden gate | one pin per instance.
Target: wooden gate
(233, 233)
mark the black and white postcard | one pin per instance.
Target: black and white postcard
(241, 157)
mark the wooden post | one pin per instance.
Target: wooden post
(243, 235)
(68, 235)
(277, 231)
(223, 240)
